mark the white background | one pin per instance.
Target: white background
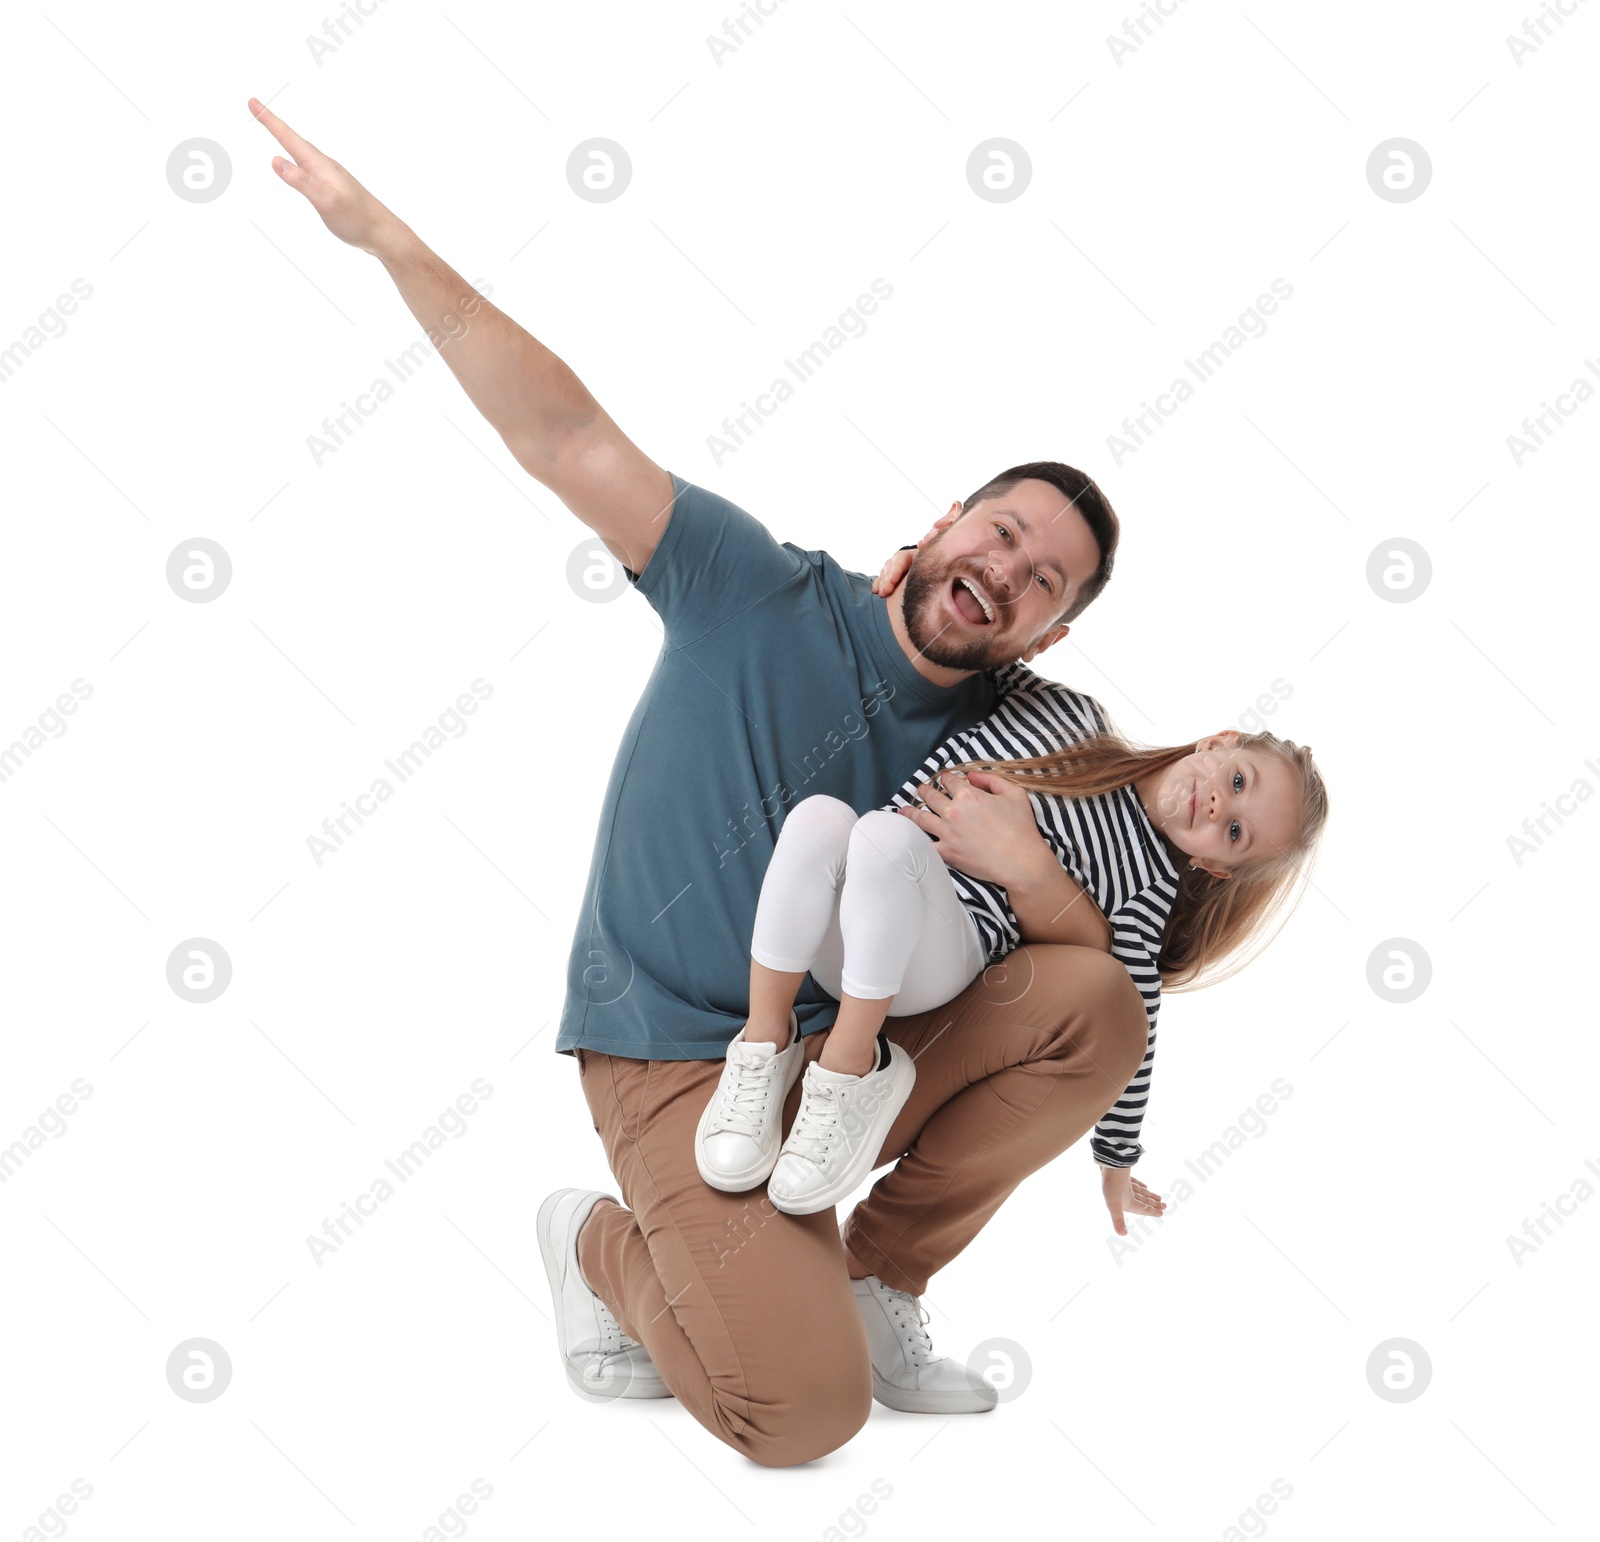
(1168, 1389)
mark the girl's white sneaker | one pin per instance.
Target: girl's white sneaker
(737, 1139)
(839, 1131)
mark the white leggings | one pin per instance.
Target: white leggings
(867, 905)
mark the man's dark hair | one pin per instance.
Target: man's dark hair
(1081, 490)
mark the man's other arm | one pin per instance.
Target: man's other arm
(558, 433)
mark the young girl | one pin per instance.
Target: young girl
(1179, 857)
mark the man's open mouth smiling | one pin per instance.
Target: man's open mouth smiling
(970, 602)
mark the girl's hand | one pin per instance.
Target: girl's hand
(345, 207)
(890, 574)
(984, 824)
(1123, 1191)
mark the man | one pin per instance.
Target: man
(781, 675)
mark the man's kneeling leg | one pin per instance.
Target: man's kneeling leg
(747, 1313)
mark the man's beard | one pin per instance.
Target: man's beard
(940, 642)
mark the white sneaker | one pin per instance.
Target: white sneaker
(600, 1360)
(737, 1139)
(840, 1129)
(906, 1374)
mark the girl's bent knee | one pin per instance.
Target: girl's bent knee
(820, 812)
(890, 839)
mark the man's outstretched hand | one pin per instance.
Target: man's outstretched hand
(1122, 1192)
(346, 208)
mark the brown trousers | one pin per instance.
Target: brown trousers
(748, 1313)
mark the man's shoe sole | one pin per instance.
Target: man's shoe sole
(907, 1400)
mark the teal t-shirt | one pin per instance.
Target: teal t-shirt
(779, 677)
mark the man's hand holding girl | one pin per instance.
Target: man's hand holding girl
(984, 825)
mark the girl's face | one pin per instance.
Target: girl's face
(1226, 808)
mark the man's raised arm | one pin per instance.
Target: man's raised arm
(557, 431)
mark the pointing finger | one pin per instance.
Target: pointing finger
(296, 146)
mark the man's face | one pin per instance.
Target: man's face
(1027, 553)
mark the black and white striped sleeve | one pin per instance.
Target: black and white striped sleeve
(1136, 932)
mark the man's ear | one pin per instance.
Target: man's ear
(943, 522)
(1046, 640)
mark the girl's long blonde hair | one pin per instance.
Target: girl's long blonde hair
(1212, 919)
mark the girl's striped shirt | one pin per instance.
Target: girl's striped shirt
(1106, 843)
